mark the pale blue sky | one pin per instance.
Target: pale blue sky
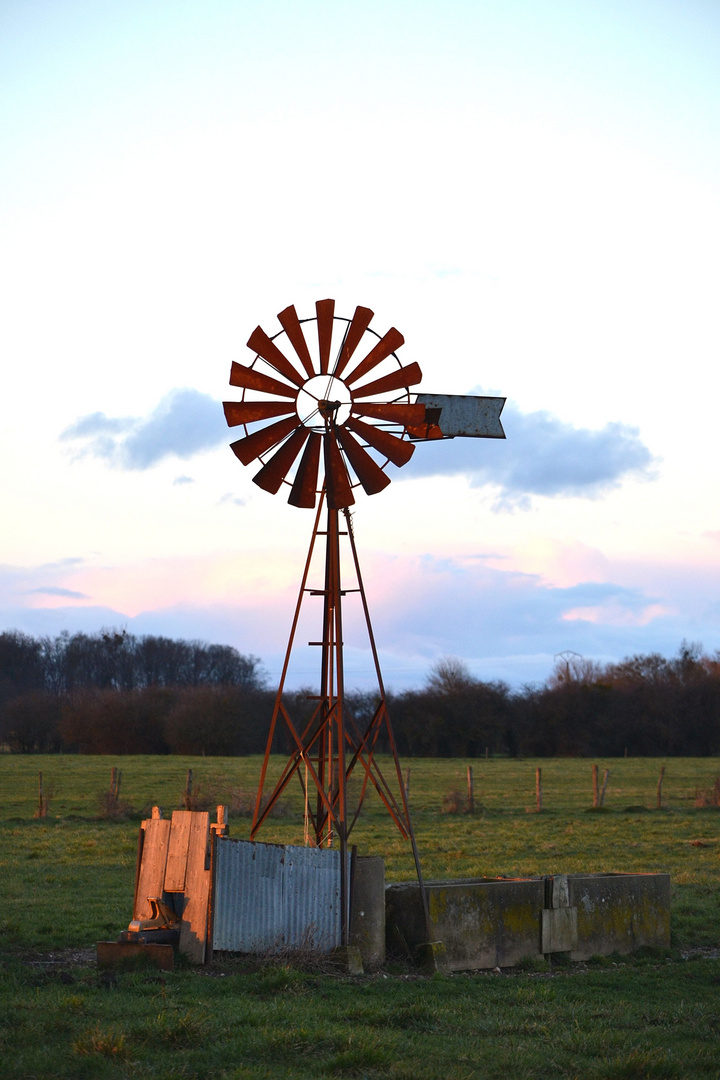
(529, 191)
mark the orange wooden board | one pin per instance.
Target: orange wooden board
(152, 865)
(193, 929)
(176, 866)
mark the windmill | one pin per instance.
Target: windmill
(322, 425)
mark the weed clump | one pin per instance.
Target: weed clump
(112, 808)
(708, 799)
(108, 1043)
(456, 801)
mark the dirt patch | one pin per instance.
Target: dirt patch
(60, 958)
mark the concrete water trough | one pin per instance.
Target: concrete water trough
(499, 922)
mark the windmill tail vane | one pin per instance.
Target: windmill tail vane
(323, 424)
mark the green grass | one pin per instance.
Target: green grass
(654, 1020)
(67, 881)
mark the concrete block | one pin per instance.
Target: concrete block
(559, 891)
(558, 930)
(432, 957)
(620, 912)
(347, 959)
(367, 911)
(482, 923)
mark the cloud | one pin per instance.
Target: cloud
(179, 481)
(63, 564)
(504, 623)
(509, 623)
(184, 423)
(232, 500)
(542, 455)
(56, 590)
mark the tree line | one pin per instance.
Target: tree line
(114, 693)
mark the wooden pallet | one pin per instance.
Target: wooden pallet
(174, 858)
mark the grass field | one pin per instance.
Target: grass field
(67, 881)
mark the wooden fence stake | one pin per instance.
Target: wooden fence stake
(42, 805)
(538, 789)
(188, 789)
(659, 788)
(595, 786)
(407, 783)
(115, 777)
(604, 785)
(471, 791)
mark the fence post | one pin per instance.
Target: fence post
(538, 789)
(188, 789)
(42, 809)
(407, 783)
(471, 791)
(595, 786)
(604, 785)
(659, 787)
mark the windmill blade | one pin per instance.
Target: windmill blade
(393, 412)
(304, 487)
(274, 472)
(246, 412)
(360, 322)
(251, 446)
(325, 310)
(368, 472)
(396, 380)
(337, 481)
(260, 343)
(290, 323)
(385, 346)
(399, 451)
(250, 379)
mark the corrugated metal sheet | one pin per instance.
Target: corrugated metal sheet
(269, 897)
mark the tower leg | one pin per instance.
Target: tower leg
(330, 745)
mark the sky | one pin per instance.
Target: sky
(529, 191)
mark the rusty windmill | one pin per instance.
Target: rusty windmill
(324, 424)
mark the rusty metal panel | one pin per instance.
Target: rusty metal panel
(269, 897)
(463, 414)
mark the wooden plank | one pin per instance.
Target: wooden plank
(193, 929)
(152, 865)
(178, 851)
(138, 861)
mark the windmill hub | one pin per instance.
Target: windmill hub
(323, 398)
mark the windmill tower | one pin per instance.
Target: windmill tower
(324, 424)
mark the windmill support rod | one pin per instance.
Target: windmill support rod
(283, 676)
(376, 661)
